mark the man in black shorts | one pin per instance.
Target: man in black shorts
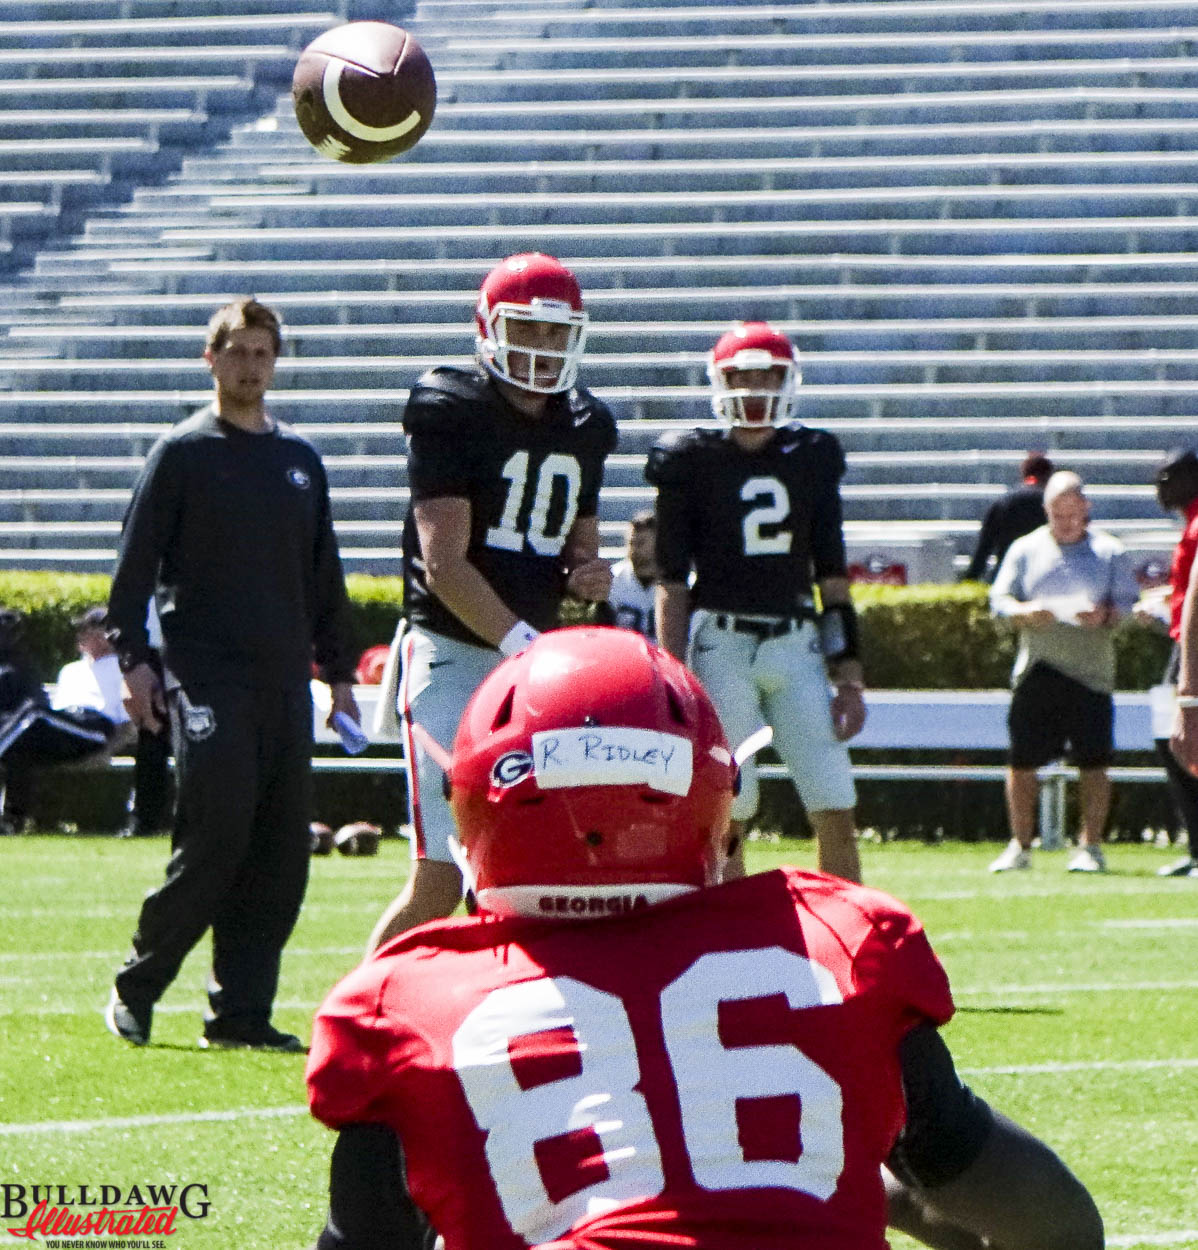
(1064, 586)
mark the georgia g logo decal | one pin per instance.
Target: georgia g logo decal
(511, 769)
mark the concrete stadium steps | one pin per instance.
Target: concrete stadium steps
(379, 510)
(322, 354)
(195, 32)
(940, 106)
(1122, 333)
(912, 51)
(130, 425)
(635, 18)
(976, 219)
(176, 280)
(145, 387)
(55, 477)
(138, 84)
(208, 180)
(185, 126)
(882, 236)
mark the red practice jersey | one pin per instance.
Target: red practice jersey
(719, 1070)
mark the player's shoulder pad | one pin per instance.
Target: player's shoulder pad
(877, 911)
(444, 396)
(822, 445)
(588, 412)
(671, 460)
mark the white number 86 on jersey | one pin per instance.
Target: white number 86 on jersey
(552, 1072)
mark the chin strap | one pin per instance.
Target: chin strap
(753, 743)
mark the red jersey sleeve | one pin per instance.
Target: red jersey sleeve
(351, 1050)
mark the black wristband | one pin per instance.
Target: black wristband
(839, 636)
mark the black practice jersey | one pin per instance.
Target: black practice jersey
(757, 527)
(232, 533)
(527, 481)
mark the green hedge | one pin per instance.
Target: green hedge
(913, 637)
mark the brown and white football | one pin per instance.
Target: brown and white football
(363, 92)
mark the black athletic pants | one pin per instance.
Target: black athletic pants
(150, 799)
(239, 862)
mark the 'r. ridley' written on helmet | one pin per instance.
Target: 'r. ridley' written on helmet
(590, 777)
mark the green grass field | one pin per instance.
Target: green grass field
(1076, 1015)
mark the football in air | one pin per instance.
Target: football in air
(363, 92)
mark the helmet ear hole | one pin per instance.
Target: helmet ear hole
(504, 713)
(675, 705)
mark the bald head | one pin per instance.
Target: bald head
(1067, 507)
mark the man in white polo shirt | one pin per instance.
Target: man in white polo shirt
(1064, 586)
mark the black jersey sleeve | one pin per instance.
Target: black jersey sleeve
(369, 1204)
(827, 513)
(148, 529)
(593, 417)
(332, 628)
(669, 467)
(442, 447)
(947, 1124)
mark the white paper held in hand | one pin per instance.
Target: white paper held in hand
(353, 737)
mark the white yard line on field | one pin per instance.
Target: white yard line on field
(27, 956)
(1078, 987)
(150, 1121)
(1181, 1236)
(1081, 1065)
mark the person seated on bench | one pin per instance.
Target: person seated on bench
(84, 719)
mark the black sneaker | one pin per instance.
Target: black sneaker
(219, 1036)
(1182, 868)
(129, 1025)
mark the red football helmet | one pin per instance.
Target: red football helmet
(531, 287)
(754, 345)
(590, 777)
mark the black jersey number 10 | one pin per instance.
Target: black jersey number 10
(507, 535)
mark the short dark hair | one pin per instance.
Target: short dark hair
(243, 314)
(644, 520)
(1177, 480)
(1037, 466)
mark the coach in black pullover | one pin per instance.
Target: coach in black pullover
(230, 530)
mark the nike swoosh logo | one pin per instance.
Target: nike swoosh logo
(580, 419)
(438, 663)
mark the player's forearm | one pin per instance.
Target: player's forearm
(1187, 673)
(673, 617)
(847, 668)
(582, 543)
(469, 596)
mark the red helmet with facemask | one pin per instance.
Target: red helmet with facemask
(754, 345)
(590, 777)
(531, 287)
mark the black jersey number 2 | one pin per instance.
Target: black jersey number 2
(774, 510)
(506, 534)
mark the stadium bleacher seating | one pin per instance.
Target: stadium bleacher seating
(977, 219)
